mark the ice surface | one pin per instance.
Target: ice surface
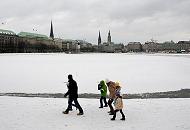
(135, 72)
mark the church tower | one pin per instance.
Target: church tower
(99, 39)
(109, 38)
(51, 31)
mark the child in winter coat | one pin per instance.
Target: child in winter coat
(118, 103)
(103, 89)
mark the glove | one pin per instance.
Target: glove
(102, 91)
(99, 86)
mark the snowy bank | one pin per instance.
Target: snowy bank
(183, 93)
(21, 113)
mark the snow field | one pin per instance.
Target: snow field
(20, 113)
(137, 73)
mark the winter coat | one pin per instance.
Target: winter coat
(72, 89)
(103, 88)
(117, 90)
(111, 88)
(118, 103)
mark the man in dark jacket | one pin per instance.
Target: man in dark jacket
(73, 95)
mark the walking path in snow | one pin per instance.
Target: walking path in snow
(21, 113)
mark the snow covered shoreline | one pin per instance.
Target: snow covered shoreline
(21, 113)
(183, 93)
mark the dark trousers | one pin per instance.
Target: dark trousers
(101, 101)
(70, 107)
(114, 116)
(76, 104)
(110, 101)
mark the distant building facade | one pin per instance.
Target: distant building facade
(8, 41)
(28, 42)
(33, 42)
(169, 46)
(109, 46)
(152, 47)
(183, 46)
(134, 47)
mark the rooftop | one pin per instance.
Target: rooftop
(2, 31)
(32, 35)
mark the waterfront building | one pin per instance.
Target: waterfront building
(33, 42)
(169, 47)
(152, 47)
(183, 46)
(106, 46)
(134, 47)
(8, 41)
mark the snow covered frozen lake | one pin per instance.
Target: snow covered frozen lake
(40, 73)
(21, 113)
(33, 73)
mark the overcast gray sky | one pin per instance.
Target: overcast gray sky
(128, 20)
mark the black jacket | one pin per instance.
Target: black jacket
(72, 89)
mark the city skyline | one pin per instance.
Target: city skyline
(132, 20)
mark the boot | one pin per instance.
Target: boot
(65, 112)
(112, 119)
(80, 113)
(111, 113)
(123, 118)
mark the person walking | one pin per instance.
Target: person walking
(118, 103)
(111, 88)
(73, 95)
(103, 90)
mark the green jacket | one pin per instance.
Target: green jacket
(103, 88)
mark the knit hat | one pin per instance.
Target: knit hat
(70, 77)
(117, 84)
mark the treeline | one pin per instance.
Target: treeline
(183, 93)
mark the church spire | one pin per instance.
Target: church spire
(99, 39)
(109, 37)
(51, 31)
